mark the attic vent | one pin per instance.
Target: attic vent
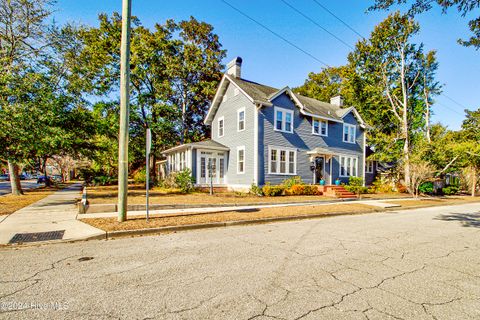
(236, 92)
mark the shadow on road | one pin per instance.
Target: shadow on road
(466, 219)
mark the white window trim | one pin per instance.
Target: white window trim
(244, 159)
(320, 127)
(244, 119)
(347, 125)
(351, 166)
(284, 118)
(222, 119)
(287, 150)
(367, 167)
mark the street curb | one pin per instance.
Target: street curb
(147, 231)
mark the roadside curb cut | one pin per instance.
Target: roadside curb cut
(137, 232)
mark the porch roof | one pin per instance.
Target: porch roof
(322, 151)
(206, 144)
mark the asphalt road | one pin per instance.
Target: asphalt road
(417, 264)
(26, 184)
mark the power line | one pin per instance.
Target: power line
(276, 34)
(449, 108)
(338, 18)
(454, 101)
(315, 23)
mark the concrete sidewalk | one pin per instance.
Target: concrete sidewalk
(55, 212)
(376, 203)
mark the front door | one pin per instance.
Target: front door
(319, 169)
(212, 167)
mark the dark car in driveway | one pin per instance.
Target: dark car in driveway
(4, 177)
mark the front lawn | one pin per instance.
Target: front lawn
(156, 221)
(136, 195)
(10, 203)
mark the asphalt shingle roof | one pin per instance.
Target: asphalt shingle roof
(262, 93)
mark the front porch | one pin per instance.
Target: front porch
(321, 160)
(207, 160)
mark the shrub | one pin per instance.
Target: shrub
(355, 185)
(426, 187)
(256, 190)
(302, 190)
(140, 176)
(450, 190)
(103, 180)
(379, 186)
(273, 191)
(290, 182)
(182, 180)
(401, 188)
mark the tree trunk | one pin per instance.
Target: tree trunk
(47, 181)
(474, 181)
(14, 179)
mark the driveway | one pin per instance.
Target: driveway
(26, 184)
(416, 264)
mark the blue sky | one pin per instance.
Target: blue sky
(269, 60)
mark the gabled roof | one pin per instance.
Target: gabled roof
(206, 144)
(264, 95)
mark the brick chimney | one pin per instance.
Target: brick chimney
(234, 67)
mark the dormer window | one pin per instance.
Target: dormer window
(349, 133)
(320, 127)
(283, 120)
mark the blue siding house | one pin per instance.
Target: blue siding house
(261, 134)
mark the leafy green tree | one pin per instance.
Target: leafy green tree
(23, 26)
(464, 7)
(175, 69)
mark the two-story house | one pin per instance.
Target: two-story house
(261, 134)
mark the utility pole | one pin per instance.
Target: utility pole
(124, 110)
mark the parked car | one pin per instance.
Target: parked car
(41, 179)
(57, 178)
(23, 177)
(4, 177)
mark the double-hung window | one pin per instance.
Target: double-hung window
(282, 161)
(283, 120)
(241, 159)
(369, 166)
(221, 126)
(349, 132)
(241, 119)
(320, 127)
(348, 166)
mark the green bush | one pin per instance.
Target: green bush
(182, 180)
(140, 176)
(426, 187)
(256, 190)
(272, 191)
(104, 180)
(355, 185)
(450, 190)
(290, 182)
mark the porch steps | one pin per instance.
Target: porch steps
(338, 192)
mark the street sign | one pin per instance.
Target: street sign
(149, 140)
